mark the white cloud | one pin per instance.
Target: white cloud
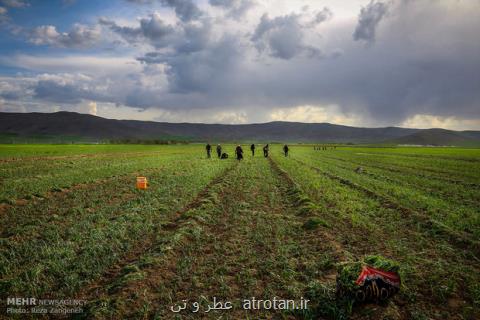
(425, 121)
(80, 36)
(314, 114)
(92, 108)
(74, 63)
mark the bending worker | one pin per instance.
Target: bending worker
(239, 152)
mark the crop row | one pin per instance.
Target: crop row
(247, 238)
(465, 154)
(55, 175)
(22, 152)
(443, 168)
(459, 215)
(432, 270)
(57, 245)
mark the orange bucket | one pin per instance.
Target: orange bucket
(141, 183)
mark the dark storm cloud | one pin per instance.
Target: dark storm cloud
(370, 16)
(55, 92)
(222, 3)
(128, 33)
(323, 15)
(203, 71)
(155, 30)
(153, 58)
(193, 71)
(283, 37)
(11, 95)
(61, 92)
(152, 29)
(193, 37)
(182, 38)
(186, 10)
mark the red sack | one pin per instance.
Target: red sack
(376, 284)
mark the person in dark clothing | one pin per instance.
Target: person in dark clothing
(252, 147)
(285, 150)
(265, 151)
(209, 150)
(219, 150)
(239, 152)
(224, 156)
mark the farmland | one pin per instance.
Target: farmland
(73, 226)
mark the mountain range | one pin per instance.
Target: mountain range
(93, 128)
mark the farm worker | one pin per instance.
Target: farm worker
(209, 149)
(252, 147)
(219, 150)
(285, 150)
(239, 152)
(265, 151)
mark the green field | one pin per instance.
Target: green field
(73, 225)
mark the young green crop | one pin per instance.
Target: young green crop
(75, 226)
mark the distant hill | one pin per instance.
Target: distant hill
(71, 124)
(439, 137)
(93, 128)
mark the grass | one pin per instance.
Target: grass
(72, 225)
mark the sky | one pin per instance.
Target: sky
(368, 63)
